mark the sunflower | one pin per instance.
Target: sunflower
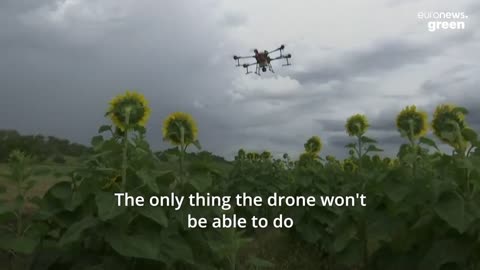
(412, 123)
(448, 124)
(131, 104)
(306, 158)
(313, 145)
(265, 155)
(349, 165)
(176, 124)
(356, 125)
(241, 154)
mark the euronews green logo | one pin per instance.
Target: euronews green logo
(437, 21)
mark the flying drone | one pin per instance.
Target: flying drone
(263, 60)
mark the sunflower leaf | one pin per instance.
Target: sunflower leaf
(470, 135)
(373, 148)
(197, 144)
(429, 142)
(461, 110)
(351, 145)
(366, 139)
(104, 128)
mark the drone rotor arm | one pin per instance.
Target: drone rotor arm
(281, 48)
(244, 57)
(277, 58)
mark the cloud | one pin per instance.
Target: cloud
(381, 57)
(62, 61)
(267, 88)
(233, 19)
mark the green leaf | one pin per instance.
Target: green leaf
(197, 144)
(395, 190)
(258, 263)
(309, 232)
(201, 182)
(139, 246)
(24, 244)
(443, 252)
(449, 136)
(97, 141)
(451, 208)
(156, 214)
(470, 135)
(465, 164)
(75, 231)
(351, 145)
(104, 128)
(107, 206)
(365, 139)
(429, 142)
(351, 255)
(373, 148)
(164, 246)
(460, 110)
(6, 208)
(149, 180)
(343, 239)
(3, 189)
(61, 191)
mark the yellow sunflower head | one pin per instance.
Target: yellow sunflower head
(313, 145)
(265, 155)
(448, 124)
(176, 124)
(412, 123)
(387, 161)
(356, 125)
(129, 110)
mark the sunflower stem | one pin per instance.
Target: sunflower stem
(360, 154)
(182, 152)
(124, 154)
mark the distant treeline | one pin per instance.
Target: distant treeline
(50, 147)
(192, 156)
(39, 146)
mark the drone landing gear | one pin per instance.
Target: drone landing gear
(288, 56)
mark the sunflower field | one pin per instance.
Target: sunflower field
(423, 205)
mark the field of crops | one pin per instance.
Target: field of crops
(423, 205)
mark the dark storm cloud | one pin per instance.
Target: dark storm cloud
(458, 89)
(383, 56)
(57, 79)
(59, 74)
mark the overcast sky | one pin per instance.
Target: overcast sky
(62, 61)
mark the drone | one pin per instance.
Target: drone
(263, 60)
